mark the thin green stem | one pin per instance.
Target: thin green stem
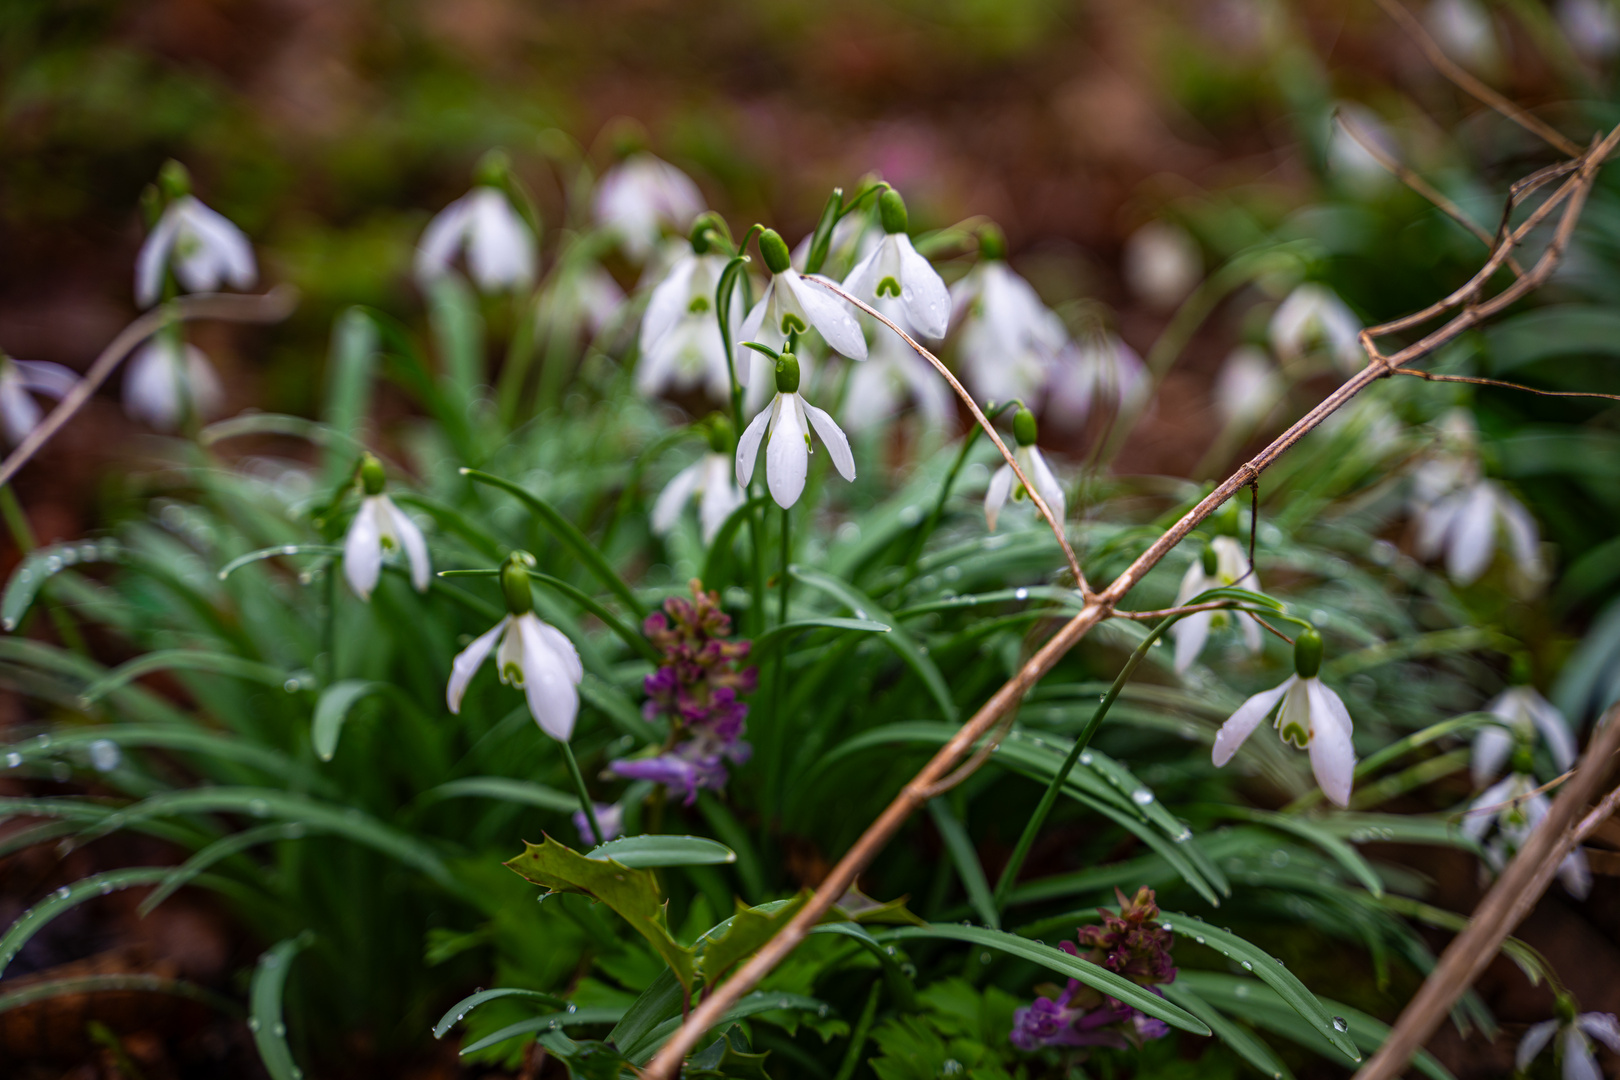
(585, 802)
(1027, 840)
(857, 1039)
(787, 558)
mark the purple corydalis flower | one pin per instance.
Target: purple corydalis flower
(1132, 943)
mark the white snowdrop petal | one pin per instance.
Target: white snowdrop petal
(1537, 1037)
(834, 439)
(922, 291)
(469, 660)
(410, 538)
(1579, 1063)
(230, 253)
(153, 258)
(720, 496)
(669, 301)
(44, 377)
(995, 496)
(205, 392)
(1046, 484)
(1473, 537)
(18, 413)
(563, 649)
(440, 240)
(1553, 727)
(1333, 756)
(1492, 746)
(551, 693)
(1190, 634)
(1475, 824)
(787, 456)
(1575, 874)
(748, 444)
(1604, 1027)
(362, 550)
(828, 314)
(1523, 536)
(667, 508)
(1241, 724)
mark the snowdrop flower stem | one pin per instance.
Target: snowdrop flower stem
(586, 803)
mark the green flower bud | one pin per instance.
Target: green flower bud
(892, 211)
(1565, 1009)
(493, 169)
(787, 374)
(515, 586)
(372, 477)
(1211, 562)
(1024, 429)
(774, 250)
(173, 180)
(721, 436)
(992, 242)
(1308, 654)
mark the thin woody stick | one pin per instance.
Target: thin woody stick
(272, 306)
(1432, 376)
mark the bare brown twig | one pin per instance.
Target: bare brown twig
(272, 306)
(1571, 194)
(1474, 381)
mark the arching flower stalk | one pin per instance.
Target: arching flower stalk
(378, 527)
(1004, 482)
(789, 419)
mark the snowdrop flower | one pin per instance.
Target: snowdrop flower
(380, 526)
(200, 245)
(1466, 524)
(1591, 26)
(895, 269)
(791, 304)
(584, 300)
(1348, 156)
(531, 655)
(19, 378)
(895, 372)
(1247, 388)
(709, 480)
(680, 341)
(499, 244)
(1222, 563)
(641, 196)
(1463, 29)
(1305, 713)
(1162, 264)
(1517, 809)
(1579, 1062)
(1033, 464)
(1524, 714)
(1313, 316)
(1101, 372)
(787, 454)
(169, 378)
(1008, 336)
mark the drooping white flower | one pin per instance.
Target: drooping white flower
(1524, 714)
(710, 481)
(529, 654)
(1004, 482)
(1314, 317)
(789, 420)
(1223, 563)
(1517, 809)
(1099, 372)
(380, 526)
(1466, 525)
(1162, 264)
(499, 244)
(893, 373)
(894, 269)
(1347, 155)
(1463, 29)
(1009, 338)
(680, 341)
(1247, 388)
(1305, 713)
(790, 303)
(1578, 1032)
(640, 197)
(582, 302)
(167, 378)
(18, 378)
(200, 245)
(1592, 27)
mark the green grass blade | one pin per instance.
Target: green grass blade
(458, 1012)
(273, 552)
(332, 710)
(70, 896)
(74, 985)
(184, 660)
(504, 789)
(264, 1008)
(1243, 1042)
(549, 1022)
(641, 852)
(966, 859)
(779, 634)
(223, 848)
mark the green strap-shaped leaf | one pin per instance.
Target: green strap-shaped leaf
(715, 566)
(69, 896)
(457, 1012)
(646, 852)
(761, 1001)
(332, 711)
(74, 985)
(276, 552)
(1312, 832)
(651, 1007)
(777, 635)
(548, 1022)
(264, 1008)
(1098, 978)
(505, 789)
(349, 371)
(1243, 1042)
(968, 868)
(633, 894)
(223, 848)
(568, 533)
(1269, 970)
(1067, 597)
(43, 564)
(897, 638)
(167, 737)
(184, 660)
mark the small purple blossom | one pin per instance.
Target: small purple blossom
(609, 817)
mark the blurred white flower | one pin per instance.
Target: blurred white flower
(585, 300)
(681, 346)
(1592, 27)
(19, 378)
(1524, 714)
(1467, 524)
(1231, 568)
(789, 419)
(1100, 371)
(1004, 482)
(1579, 1062)
(1162, 264)
(709, 480)
(1248, 387)
(894, 372)
(642, 196)
(1463, 30)
(380, 526)
(894, 268)
(167, 378)
(1307, 714)
(499, 244)
(1314, 317)
(1349, 159)
(1008, 336)
(533, 656)
(202, 247)
(1452, 464)
(1517, 809)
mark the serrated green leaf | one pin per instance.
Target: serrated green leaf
(748, 930)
